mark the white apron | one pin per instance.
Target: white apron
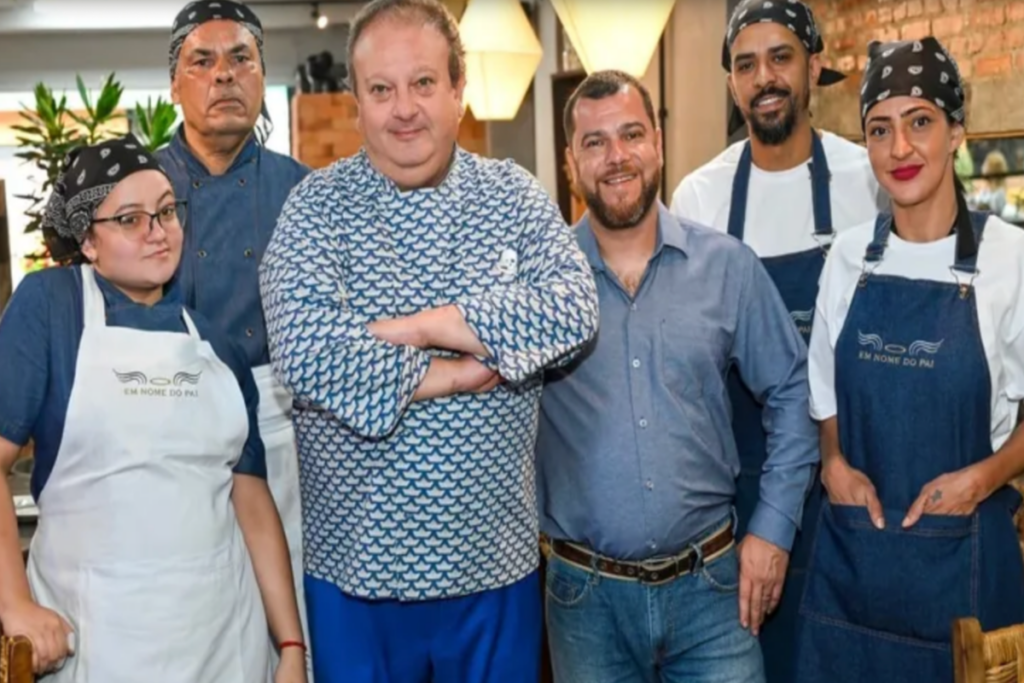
(278, 434)
(138, 546)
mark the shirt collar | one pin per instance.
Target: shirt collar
(452, 180)
(196, 169)
(116, 299)
(671, 233)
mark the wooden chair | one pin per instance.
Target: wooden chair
(16, 660)
(992, 657)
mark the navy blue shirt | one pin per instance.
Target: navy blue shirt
(636, 455)
(40, 333)
(228, 225)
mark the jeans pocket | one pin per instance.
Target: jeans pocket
(723, 572)
(566, 585)
(910, 583)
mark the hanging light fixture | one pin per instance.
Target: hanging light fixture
(502, 56)
(609, 35)
(318, 17)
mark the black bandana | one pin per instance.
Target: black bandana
(912, 68)
(197, 13)
(88, 175)
(794, 15)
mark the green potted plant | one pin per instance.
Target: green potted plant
(154, 123)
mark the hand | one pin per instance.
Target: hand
(762, 572)
(956, 493)
(473, 377)
(292, 667)
(847, 486)
(404, 331)
(49, 633)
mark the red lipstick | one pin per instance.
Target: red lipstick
(905, 173)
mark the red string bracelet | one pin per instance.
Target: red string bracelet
(291, 643)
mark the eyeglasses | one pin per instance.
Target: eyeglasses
(137, 225)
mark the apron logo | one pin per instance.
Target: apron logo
(802, 320)
(876, 350)
(138, 384)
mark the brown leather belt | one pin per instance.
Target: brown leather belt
(657, 571)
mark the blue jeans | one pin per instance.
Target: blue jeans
(605, 630)
(489, 637)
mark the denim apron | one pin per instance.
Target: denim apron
(796, 277)
(913, 391)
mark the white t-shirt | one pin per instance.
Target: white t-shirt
(780, 215)
(999, 292)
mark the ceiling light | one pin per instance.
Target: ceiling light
(606, 37)
(320, 19)
(500, 64)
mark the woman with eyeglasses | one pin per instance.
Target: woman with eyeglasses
(916, 373)
(159, 554)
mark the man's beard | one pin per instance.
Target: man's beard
(776, 131)
(625, 216)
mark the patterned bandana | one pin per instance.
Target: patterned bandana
(794, 15)
(197, 13)
(921, 68)
(88, 175)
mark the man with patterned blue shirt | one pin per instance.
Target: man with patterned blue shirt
(414, 293)
(636, 458)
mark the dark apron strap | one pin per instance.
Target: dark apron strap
(821, 198)
(969, 228)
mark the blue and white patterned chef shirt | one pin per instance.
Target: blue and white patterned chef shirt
(433, 499)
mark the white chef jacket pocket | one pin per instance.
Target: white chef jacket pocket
(156, 620)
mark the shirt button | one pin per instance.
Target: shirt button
(248, 253)
(643, 423)
(201, 253)
(196, 184)
(649, 485)
(652, 545)
(632, 307)
(249, 332)
(241, 181)
(636, 362)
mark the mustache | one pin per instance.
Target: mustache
(620, 170)
(770, 91)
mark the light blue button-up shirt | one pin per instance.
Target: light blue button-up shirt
(635, 453)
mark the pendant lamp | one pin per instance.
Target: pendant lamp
(502, 56)
(611, 34)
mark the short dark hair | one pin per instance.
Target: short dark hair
(597, 86)
(425, 12)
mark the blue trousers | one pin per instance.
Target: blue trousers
(490, 637)
(605, 630)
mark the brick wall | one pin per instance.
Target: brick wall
(985, 36)
(324, 129)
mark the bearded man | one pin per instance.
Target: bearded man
(636, 457)
(784, 192)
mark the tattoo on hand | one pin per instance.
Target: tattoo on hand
(936, 496)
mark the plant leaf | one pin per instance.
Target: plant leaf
(84, 94)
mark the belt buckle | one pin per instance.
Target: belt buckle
(660, 571)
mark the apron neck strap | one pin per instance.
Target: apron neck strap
(821, 199)
(94, 309)
(192, 331)
(969, 228)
